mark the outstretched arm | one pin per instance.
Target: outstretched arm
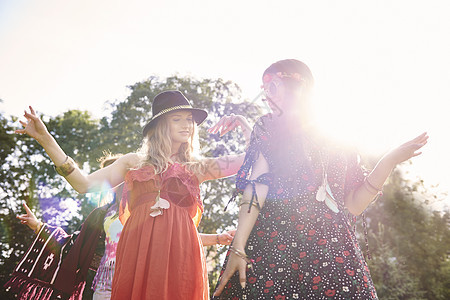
(358, 200)
(227, 165)
(113, 174)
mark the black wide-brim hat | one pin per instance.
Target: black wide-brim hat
(169, 101)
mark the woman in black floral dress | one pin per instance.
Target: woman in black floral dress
(294, 239)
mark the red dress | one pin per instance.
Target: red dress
(160, 256)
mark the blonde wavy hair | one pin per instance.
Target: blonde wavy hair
(157, 145)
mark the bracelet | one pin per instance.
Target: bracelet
(378, 191)
(244, 256)
(247, 202)
(66, 168)
(239, 253)
(217, 240)
(38, 227)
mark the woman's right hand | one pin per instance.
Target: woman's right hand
(227, 237)
(34, 127)
(29, 218)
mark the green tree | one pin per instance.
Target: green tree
(409, 242)
(390, 275)
(31, 176)
(8, 227)
(28, 175)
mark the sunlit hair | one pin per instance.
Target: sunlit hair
(108, 158)
(157, 146)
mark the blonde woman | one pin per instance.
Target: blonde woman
(25, 284)
(159, 254)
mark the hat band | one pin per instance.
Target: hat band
(170, 109)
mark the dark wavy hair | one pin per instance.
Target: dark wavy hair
(291, 66)
(285, 136)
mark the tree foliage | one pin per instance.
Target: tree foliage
(31, 177)
(409, 242)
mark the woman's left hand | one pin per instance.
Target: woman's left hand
(407, 150)
(228, 123)
(234, 264)
(29, 218)
(34, 127)
(226, 238)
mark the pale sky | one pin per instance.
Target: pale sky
(382, 68)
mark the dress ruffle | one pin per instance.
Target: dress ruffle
(175, 175)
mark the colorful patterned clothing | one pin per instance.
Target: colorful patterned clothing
(302, 248)
(56, 264)
(102, 282)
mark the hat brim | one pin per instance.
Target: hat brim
(199, 116)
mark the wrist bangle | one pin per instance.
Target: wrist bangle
(66, 168)
(377, 191)
(217, 240)
(244, 256)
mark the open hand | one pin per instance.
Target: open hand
(407, 150)
(228, 123)
(29, 218)
(34, 126)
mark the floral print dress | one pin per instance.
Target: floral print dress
(302, 248)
